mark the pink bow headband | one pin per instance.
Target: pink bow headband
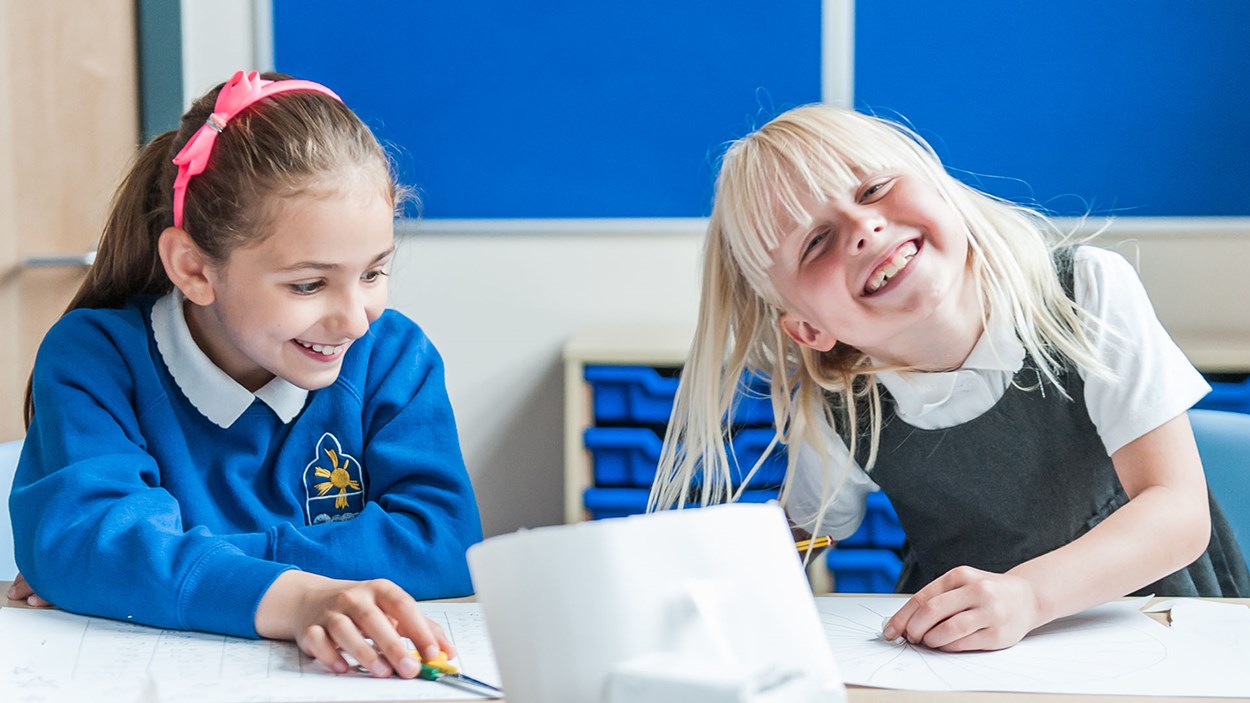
(240, 91)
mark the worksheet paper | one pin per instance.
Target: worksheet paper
(49, 656)
(1111, 649)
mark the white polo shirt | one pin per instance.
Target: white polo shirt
(220, 398)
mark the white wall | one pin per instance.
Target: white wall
(500, 301)
(220, 37)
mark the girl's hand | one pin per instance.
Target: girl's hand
(967, 609)
(20, 590)
(326, 615)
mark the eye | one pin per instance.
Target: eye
(876, 190)
(374, 275)
(813, 243)
(306, 288)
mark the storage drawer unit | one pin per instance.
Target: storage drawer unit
(869, 560)
(642, 395)
(628, 456)
(864, 570)
(619, 390)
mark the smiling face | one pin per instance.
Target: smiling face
(293, 303)
(881, 267)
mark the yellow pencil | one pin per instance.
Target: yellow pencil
(805, 544)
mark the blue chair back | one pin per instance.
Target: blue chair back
(9, 451)
(1224, 443)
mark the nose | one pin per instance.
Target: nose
(866, 223)
(350, 317)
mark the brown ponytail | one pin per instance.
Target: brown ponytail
(127, 261)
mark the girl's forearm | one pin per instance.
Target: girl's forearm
(1159, 531)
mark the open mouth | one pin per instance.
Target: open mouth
(891, 267)
(326, 350)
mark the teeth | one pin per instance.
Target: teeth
(323, 349)
(897, 263)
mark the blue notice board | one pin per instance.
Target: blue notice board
(1114, 107)
(561, 108)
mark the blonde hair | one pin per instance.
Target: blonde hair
(815, 152)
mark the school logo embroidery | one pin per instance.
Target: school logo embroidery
(334, 483)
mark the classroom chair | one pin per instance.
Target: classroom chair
(9, 451)
(1223, 439)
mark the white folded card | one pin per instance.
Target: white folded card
(692, 605)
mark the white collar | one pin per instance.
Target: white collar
(998, 354)
(220, 398)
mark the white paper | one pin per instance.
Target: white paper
(716, 588)
(1225, 625)
(48, 656)
(1111, 649)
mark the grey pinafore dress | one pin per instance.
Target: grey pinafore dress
(1026, 477)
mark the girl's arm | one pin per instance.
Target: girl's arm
(1140, 414)
(1164, 527)
(94, 531)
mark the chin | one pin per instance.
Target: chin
(312, 384)
(319, 385)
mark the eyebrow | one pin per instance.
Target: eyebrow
(322, 266)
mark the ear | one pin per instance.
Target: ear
(187, 266)
(806, 334)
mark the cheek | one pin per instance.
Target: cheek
(376, 304)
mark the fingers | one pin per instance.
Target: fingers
(377, 623)
(367, 622)
(317, 644)
(21, 590)
(940, 599)
(427, 637)
(897, 625)
(965, 609)
(36, 602)
(954, 632)
(359, 638)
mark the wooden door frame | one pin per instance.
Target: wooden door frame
(68, 128)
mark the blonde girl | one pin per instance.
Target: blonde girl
(1014, 396)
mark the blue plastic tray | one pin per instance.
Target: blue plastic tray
(640, 395)
(880, 527)
(628, 456)
(863, 570)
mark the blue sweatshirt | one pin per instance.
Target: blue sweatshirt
(130, 503)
